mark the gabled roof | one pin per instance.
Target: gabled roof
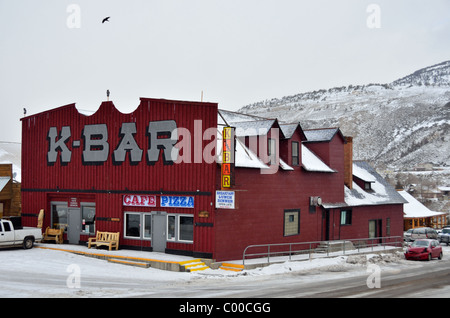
(322, 134)
(381, 191)
(254, 127)
(3, 182)
(414, 209)
(229, 118)
(248, 125)
(290, 129)
(244, 157)
(10, 153)
(362, 174)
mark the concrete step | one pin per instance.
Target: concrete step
(334, 246)
(193, 265)
(129, 263)
(232, 267)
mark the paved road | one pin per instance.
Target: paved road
(41, 273)
(424, 279)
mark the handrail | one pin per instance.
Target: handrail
(362, 243)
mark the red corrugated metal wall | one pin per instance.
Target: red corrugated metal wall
(109, 181)
(261, 205)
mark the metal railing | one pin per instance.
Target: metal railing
(338, 247)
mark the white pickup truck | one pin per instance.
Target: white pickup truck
(26, 236)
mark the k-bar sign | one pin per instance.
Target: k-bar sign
(162, 136)
(227, 156)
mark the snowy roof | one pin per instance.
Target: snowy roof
(363, 174)
(288, 129)
(310, 162)
(414, 209)
(318, 135)
(381, 191)
(244, 157)
(3, 182)
(230, 118)
(10, 152)
(253, 128)
(247, 125)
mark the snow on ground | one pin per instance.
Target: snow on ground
(51, 273)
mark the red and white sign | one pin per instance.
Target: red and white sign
(139, 200)
(73, 203)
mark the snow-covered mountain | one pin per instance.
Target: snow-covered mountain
(401, 124)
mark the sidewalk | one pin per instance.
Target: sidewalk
(180, 263)
(156, 260)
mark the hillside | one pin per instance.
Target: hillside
(398, 125)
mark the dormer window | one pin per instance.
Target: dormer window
(272, 151)
(295, 153)
(368, 186)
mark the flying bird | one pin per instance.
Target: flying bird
(105, 20)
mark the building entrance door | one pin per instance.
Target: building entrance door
(74, 226)
(159, 226)
(375, 229)
(326, 225)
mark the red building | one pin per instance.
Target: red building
(155, 176)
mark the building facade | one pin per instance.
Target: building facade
(156, 175)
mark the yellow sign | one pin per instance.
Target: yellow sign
(227, 155)
(226, 181)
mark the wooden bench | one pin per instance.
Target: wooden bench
(105, 238)
(53, 235)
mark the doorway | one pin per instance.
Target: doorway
(326, 225)
(74, 226)
(159, 226)
(375, 228)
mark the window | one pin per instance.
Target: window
(291, 222)
(133, 225)
(7, 227)
(272, 151)
(388, 227)
(139, 226)
(88, 219)
(59, 216)
(186, 228)
(171, 227)
(147, 226)
(180, 228)
(346, 217)
(367, 186)
(295, 154)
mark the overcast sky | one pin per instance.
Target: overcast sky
(56, 52)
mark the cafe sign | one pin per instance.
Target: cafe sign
(139, 200)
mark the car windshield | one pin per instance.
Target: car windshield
(446, 231)
(420, 244)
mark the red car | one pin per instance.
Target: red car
(424, 249)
